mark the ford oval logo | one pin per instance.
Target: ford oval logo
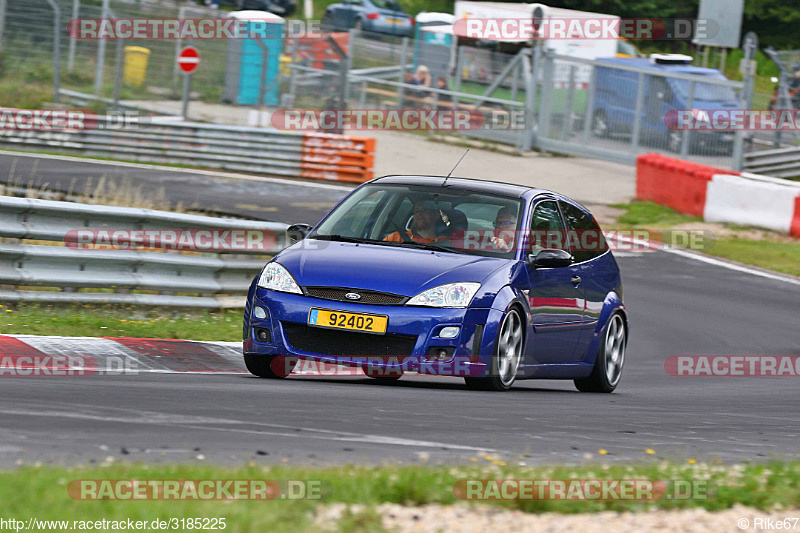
(352, 296)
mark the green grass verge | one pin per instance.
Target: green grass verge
(772, 252)
(115, 321)
(42, 491)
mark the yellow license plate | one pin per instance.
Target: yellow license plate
(328, 318)
(394, 21)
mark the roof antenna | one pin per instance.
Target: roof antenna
(454, 167)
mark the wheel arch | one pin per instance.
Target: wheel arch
(612, 304)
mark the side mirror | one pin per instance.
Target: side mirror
(297, 232)
(550, 258)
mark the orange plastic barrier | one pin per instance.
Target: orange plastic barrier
(337, 157)
(674, 183)
(795, 229)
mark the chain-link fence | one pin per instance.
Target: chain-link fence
(608, 108)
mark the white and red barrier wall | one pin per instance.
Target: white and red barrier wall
(719, 195)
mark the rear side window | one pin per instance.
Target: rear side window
(586, 239)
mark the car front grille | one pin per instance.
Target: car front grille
(367, 297)
(332, 342)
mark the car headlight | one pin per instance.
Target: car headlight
(450, 295)
(277, 278)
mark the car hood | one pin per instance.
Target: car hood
(404, 271)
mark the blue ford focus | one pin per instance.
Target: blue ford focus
(486, 281)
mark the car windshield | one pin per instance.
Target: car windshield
(387, 4)
(706, 92)
(435, 218)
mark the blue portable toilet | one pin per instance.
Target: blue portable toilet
(245, 58)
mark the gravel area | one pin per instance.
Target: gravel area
(460, 518)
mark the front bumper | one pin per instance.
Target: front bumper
(415, 328)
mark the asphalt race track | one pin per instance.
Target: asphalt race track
(251, 197)
(678, 306)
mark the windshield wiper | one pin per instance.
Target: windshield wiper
(425, 246)
(341, 238)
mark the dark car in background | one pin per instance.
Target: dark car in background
(372, 16)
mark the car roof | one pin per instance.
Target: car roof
(643, 62)
(468, 184)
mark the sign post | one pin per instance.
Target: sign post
(188, 60)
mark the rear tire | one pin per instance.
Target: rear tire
(269, 366)
(610, 358)
(507, 355)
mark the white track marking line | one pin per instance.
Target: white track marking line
(730, 266)
(716, 262)
(171, 420)
(284, 181)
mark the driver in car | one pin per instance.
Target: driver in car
(504, 226)
(423, 229)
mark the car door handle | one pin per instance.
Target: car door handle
(576, 280)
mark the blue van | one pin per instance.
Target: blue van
(615, 101)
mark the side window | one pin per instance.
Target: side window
(547, 228)
(586, 239)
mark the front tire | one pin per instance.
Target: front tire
(507, 355)
(269, 366)
(610, 358)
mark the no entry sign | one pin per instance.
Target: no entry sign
(188, 59)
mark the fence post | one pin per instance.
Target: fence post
(530, 97)
(588, 114)
(750, 46)
(459, 66)
(56, 49)
(515, 80)
(101, 55)
(2, 20)
(348, 66)
(685, 141)
(545, 108)
(566, 128)
(403, 58)
(76, 5)
(637, 114)
(118, 72)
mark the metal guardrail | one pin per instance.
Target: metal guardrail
(247, 149)
(781, 162)
(217, 280)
